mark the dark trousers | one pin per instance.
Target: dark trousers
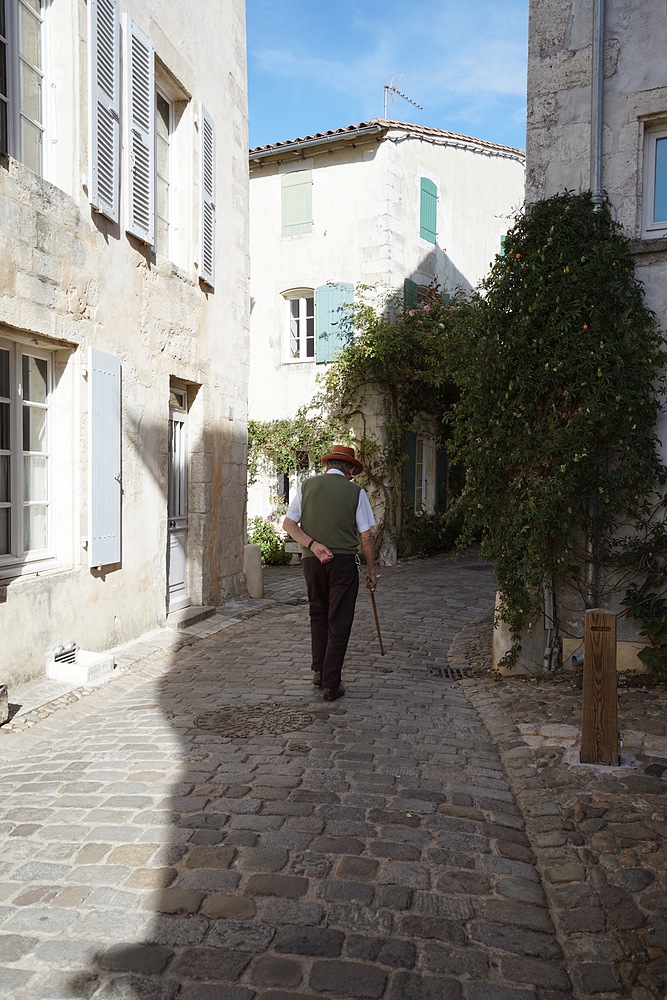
(332, 594)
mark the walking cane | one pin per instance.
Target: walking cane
(377, 623)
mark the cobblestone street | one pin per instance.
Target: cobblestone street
(204, 826)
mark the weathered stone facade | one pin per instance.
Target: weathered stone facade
(71, 280)
(628, 97)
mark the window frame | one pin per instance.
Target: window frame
(302, 295)
(12, 142)
(165, 250)
(19, 559)
(652, 228)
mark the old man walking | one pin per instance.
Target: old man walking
(328, 517)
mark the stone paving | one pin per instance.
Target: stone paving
(204, 826)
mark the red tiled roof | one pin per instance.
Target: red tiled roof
(386, 125)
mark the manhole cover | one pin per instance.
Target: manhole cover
(263, 720)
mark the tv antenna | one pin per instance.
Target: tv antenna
(391, 89)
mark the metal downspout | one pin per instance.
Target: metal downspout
(597, 85)
(598, 198)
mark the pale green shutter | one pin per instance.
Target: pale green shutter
(410, 294)
(428, 210)
(409, 469)
(441, 469)
(333, 325)
(297, 203)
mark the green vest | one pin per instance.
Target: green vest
(328, 513)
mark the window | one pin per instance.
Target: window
(157, 176)
(421, 482)
(25, 441)
(301, 325)
(655, 182)
(318, 322)
(428, 210)
(22, 81)
(163, 131)
(297, 203)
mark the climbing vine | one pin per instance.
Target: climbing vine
(282, 445)
(393, 376)
(560, 366)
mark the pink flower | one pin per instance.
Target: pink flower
(411, 313)
(427, 309)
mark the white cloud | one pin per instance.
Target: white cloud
(457, 60)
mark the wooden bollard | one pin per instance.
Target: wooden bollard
(599, 723)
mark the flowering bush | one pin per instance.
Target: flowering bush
(271, 541)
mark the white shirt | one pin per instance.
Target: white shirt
(364, 518)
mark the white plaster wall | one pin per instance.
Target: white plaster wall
(366, 230)
(70, 280)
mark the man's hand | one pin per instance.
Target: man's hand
(371, 580)
(320, 550)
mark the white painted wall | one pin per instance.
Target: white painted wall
(366, 230)
(69, 280)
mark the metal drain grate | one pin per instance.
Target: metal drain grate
(457, 673)
(266, 720)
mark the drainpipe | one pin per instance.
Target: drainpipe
(598, 198)
(597, 85)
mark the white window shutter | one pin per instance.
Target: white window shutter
(104, 106)
(104, 459)
(139, 134)
(207, 225)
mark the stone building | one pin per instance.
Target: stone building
(384, 204)
(123, 318)
(597, 120)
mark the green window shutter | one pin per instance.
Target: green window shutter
(409, 449)
(446, 298)
(333, 327)
(410, 294)
(428, 210)
(501, 252)
(297, 203)
(441, 498)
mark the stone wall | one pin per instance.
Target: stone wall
(71, 280)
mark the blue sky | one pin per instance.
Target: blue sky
(315, 65)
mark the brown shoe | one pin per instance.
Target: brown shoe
(317, 678)
(330, 694)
